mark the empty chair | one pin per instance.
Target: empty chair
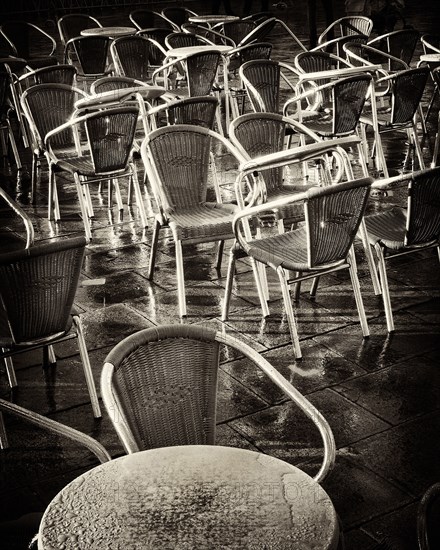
(7, 134)
(90, 55)
(401, 110)
(47, 106)
(350, 25)
(30, 42)
(37, 290)
(236, 30)
(400, 44)
(176, 15)
(132, 57)
(71, 25)
(106, 153)
(409, 229)
(138, 379)
(184, 39)
(265, 80)
(213, 36)
(143, 19)
(324, 243)
(177, 161)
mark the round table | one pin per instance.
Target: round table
(196, 496)
(189, 50)
(112, 32)
(114, 96)
(212, 18)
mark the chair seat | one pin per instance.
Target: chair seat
(388, 228)
(210, 220)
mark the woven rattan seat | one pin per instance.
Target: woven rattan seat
(323, 244)
(30, 42)
(178, 161)
(47, 106)
(109, 144)
(160, 388)
(406, 230)
(37, 290)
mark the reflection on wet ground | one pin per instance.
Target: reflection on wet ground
(381, 395)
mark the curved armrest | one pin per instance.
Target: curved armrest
(302, 402)
(51, 425)
(26, 219)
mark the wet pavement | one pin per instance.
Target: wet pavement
(381, 395)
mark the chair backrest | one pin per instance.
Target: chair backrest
(261, 79)
(333, 215)
(110, 134)
(110, 83)
(430, 43)
(163, 402)
(180, 156)
(37, 289)
(259, 134)
(237, 30)
(71, 25)
(143, 19)
(132, 56)
(407, 90)
(183, 40)
(177, 15)
(213, 36)
(197, 111)
(351, 25)
(313, 62)
(260, 32)
(201, 72)
(158, 48)
(156, 33)
(47, 106)
(91, 53)
(61, 74)
(28, 39)
(401, 44)
(423, 217)
(348, 99)
(256, 50)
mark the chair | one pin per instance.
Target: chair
(428, 516)
(405, 93)
(236, 30)
(265, 81)
(7, 134)
(177, 162)
(45, 107)
(132, 57)
(110, 83)
(400, 44)
(143, 19)
(407, 230)
(350, 25)
(30, 42)
(90, 55)
(71, 25)
(37, 290)
(176, 15)
(157, 402)
(213, 36)
(105, 155)
(322, 245)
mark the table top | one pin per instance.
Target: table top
(212, 18)
(188, 497)
(108, 31)
(188, 50)
(147, 92)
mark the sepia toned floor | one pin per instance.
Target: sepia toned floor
(381, 395)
